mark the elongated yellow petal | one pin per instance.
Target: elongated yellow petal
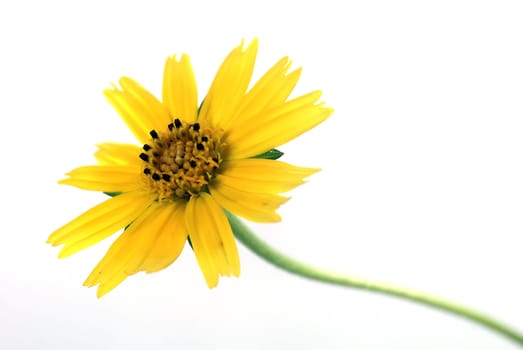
(96, 275)
(105, 178)
(179, 92)
(152, 110)
(212, 239)
(166, 229)
(262, 175)
(275, 127)
(112, 153)
(203, 240)
(111, 283)
(273, 88)
(254, 206)
(100, 222)
(140, 110)
(229, 86)
(130, 250)
(169, 243)
(135, 123)
(248, 187)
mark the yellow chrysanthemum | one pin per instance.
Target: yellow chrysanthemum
(193, 164)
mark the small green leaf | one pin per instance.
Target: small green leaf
(272, 154)
(113, 194)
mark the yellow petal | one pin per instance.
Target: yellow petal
(249, 187)
(100, 222)
(153, 110)
(99, 272)
(275, 127)
(129, 251)
(254, 206)
(262, 175)
(229, 86)
(167, 228)
(212, 239)
(273, 88)
(179, 89)
(140, 110)
(105, 178)
(110, 284)
(111, 153)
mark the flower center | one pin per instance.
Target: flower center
(180, 162)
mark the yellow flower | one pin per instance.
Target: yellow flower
(193, 164)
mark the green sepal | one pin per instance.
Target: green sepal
(200, 108)
(113, 194)
(272, 154)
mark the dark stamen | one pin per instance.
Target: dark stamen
(144, 157)
(199, 147)
(196, 126)
(166, 177)
(147, 171)
(156, 177)
(170, 126)
(193, 164)
(177, 123)
(153, 134)
(146, 147)
(205, 139)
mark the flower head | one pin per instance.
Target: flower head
(192, 164)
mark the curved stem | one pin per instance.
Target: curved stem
(251, 241)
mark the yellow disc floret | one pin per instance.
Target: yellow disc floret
(180, 162)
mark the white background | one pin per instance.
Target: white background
(421, 182)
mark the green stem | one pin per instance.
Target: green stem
(251, 241)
